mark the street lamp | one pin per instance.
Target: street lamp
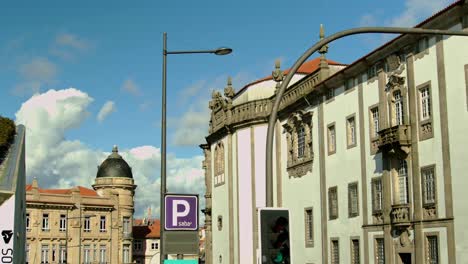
(300, 61)
(219, 51)
(66, 235)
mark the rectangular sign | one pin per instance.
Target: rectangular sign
(181, 242)
(181, 212)
(7, 221)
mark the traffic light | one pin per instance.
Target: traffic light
(274, 236)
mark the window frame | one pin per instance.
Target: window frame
(309, 227)
(332, 248)
(399, 107)
(102, 224)
(63, 223)
(353, 185)
(425, 125)
(45, 222)
(126, 258)
(28, 222)
(87, 224)
(219, 164)
(375, 197)
(350, 133)
(154, 245)
(378, 238)
(44, 253)
(425, 202)
(102, 254)
(406, 182)
(126, 228)
(427, 248)
(352, 248)
(331, 138)
(331, 214)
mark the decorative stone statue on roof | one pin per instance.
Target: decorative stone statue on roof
(229, 92)
(217, 101)
(277, 74)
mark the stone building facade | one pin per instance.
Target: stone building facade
(82, 225)
(368, 157)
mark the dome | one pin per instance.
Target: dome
(114, 166)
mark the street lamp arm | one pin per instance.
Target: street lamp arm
(301, 60)
(192, 51)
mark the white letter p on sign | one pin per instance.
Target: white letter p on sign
(176, 214)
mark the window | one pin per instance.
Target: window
(372, 72)
(63, 255)
(432, 249)
(137, 246)
(126, 225)
(380, 251)
(102, 224)
(87, 254)
(102, 254)
(300, 142)
(45, 222)
(26, 257)
(87, 224)
(298, 130)
(309, 227)
(429, 185)
(330, 93)
(333, 202)
(53, 252)
(63, 223)
(335, 252)
(28, 222)
(351, 82)
(398, 104)
(351, 131)
(355, 254)
(377, 195)
(375, 121)
(353, 202)
(403, 182)
(331, 139)
(425, 103)
(126, 253)
(422, 45)
(154, 245)
(44, 254)
(219, 164)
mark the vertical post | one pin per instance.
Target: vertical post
(66, 238)
(79, 237)
(163, 148)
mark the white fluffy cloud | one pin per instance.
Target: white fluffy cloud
(107, 109)
(58, 162)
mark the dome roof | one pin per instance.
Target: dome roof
(114, 166)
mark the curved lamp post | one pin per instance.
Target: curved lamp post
(219, 51)
(300, 61)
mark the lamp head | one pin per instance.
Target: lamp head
(223, 51)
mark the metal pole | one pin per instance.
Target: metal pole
(300, 61)
(66, 240)
(79, 238)
(163, 149)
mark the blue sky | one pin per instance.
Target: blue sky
(111, 52)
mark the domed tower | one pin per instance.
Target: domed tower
(114, 180)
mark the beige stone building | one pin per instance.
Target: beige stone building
(369, 158)
(82, 225)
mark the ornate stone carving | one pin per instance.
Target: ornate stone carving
(378, 218)
(299, 163)
(278, 75)
(229, 92)
(395, 82)
(400, 214)
(393, 62)
(217, 101)
(430, 212)
(426, 129)
(396, 139)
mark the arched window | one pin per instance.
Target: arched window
(219, 164)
